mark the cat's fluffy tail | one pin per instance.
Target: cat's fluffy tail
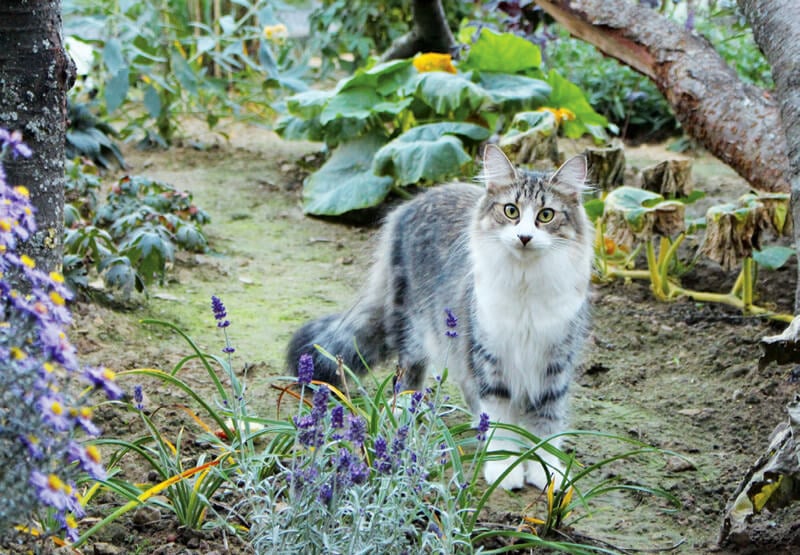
(353, 335)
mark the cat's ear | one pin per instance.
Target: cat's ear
(571, 176)
(498, 173)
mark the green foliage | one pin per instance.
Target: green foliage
(396, 111)
(629, 217)
(89, 137)
(130, 239)
(346, 33)
(627, 99)
(178, 57)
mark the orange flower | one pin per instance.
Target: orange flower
(561, 114)
(433, 61)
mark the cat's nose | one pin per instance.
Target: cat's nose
(525, 239)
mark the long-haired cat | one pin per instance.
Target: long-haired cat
(511, 261)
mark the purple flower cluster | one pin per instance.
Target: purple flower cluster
(483, 427)
(451, 322)
(41, 409)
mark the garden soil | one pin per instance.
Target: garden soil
(679, 376)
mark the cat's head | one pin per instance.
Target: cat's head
(529, 211)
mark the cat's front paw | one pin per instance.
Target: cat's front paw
(515, 479)
(535, 473)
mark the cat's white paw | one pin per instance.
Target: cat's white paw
(535, 473)
(514, 480)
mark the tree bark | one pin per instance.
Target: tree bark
(776, 29)
(739, 123)
(35, 74)
(429, 34)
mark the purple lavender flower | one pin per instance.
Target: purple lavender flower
(325, 493)
(356, 430)
(382, 462)
(444, 453)
(399, 441)
(452, 322)
(483, 427)
(416, 398)
(337, 417)
(305, 369)
(359, 472)
(320, 403)
(138, 397)
(220, 315)
(308, 432)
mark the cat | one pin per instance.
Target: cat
(509, 263)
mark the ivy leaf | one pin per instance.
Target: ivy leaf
(346, 182)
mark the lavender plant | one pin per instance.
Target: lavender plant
(376, 476)
(45, 404)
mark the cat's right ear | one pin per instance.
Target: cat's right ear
(498, 172)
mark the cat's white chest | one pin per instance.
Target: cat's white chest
(524, 311)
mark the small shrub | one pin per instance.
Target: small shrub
(131, 238)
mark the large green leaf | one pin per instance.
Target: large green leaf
(568, 95)
(502, 53)
(384, 79)
(446, 93)
(524, 91)
(352, 103)
(308, 104)
(346, 182)
(428, 152)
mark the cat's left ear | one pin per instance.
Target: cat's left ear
(571, 176)
(498, 172)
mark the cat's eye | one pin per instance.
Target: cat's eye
(511, 211)
(545, 215)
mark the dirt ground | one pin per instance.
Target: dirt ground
(680, 376)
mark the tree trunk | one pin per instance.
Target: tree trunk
(735, 121)
(35, 74)
(429, 34)
(776, 28)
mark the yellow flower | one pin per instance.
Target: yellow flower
(93, 453)
(56, 277)
(433, 61)
(5, 225)
(561, 114)
(55, 483)
(28, 261)
(22, 190)
(18, 354)
(57, 299)
(275, 31)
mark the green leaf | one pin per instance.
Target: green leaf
(346, 182)
(594, 208)
(152, 102)
(352, 103)
(568, 95)
(385, 79)
(116, 89)
(112, 56)
(308, 104)
(501, 52)
(446, 93)
(773, 257)
(636, 203)
(523, 91)
(428, 152)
